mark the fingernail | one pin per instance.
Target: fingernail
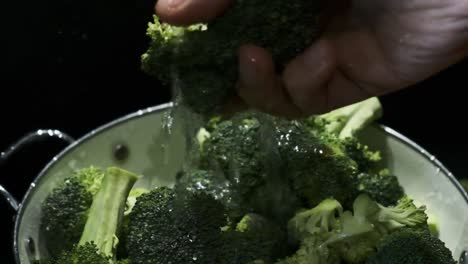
(174, 3)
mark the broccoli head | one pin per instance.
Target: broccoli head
(98, 241)
(65, 210)
(353, 235)
(382, 187)
(312, 251)
(214, 184)
(201, 59)
(255, 238)
(316, 168)
(408, 246)
(366, 159)
(242, 151)
(169, 226)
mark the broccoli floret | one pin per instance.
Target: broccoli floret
(123, 232)
(317, 169)
(411, 247)
(98, 241)
(65, 210)
(321, 219)
(382, 187)
(169, 226)
(202, 59)
(366, 159)
(243, 151)
(214, 184)
(255, 238)
(234, 147)
(404, 214)
(353, 235)
(312, 251)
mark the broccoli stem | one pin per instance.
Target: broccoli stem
(348, 120)
(107, 210)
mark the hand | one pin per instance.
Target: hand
(370, 48)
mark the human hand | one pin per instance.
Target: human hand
(370, 48)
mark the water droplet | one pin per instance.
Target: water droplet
(33, 185)
(194, 258)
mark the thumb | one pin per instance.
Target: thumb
(186, 12)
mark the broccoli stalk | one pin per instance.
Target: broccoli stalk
(65, 210)
(98, 242)
(349, 120)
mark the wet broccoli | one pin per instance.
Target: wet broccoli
(169, 226)
(382, 187)
(215, 185)
(201, 59)
(255, 238)
(65, 210)
(242, 151)
(98, 241)
(411, 247)
(351, 235)
(316, 169)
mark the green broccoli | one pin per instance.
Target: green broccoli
(321, 219)
(123, 232)
(214, 184)
(255, 238)
(65, 210)
(382, 187)
(201, 59)
(352, 235)
(346, 122)
(242, 151)
(367, 160)
(174, 226)
(316, 168)
(98, 241)
(408, 246)
(312, 251)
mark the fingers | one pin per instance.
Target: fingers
(186, 12)
(311, 84)
(306, 77)
(259, 86)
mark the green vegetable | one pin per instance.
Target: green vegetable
(98, 242)
(166, 226)
(254, 239)
(65, 210)
(412, 247)
(242, 153)
(381, 187)
(201, 59)
(352, 235)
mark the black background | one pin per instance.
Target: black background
(64, 60)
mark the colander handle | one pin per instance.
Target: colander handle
(27, 140)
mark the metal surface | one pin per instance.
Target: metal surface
(430, 157)
(76, 144)
(25, 141)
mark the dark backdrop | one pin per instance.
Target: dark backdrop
(64, 60)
